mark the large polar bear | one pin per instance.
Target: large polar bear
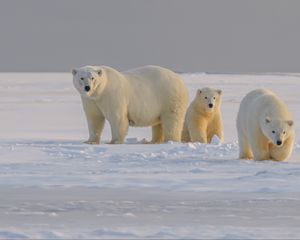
(146, 96)
(265, 127)
(203, 118)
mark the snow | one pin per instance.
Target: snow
(54, 186)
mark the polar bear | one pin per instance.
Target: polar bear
(265, 127)
(146, 96)
(203, 118)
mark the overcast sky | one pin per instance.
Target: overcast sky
(187, 35)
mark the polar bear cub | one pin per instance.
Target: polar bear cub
(265, 127)
(203, 118)
(146, 96)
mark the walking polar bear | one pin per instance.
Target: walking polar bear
(203, 118)
(146, 96)
(265, 127)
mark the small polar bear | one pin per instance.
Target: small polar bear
(265, 127)
(203, 118)
(146, 96)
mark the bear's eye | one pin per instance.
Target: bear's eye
(82, 78)
(205, 97)
(214, 97)
(92, 78)
(284, 132)
(273, 131)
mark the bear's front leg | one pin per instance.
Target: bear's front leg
(95, 120)
(215, 128)
(119, 128)
(260, 150)
(198, 136)
(284, 152)
(95, 126)
(198, 133)
(260, 154)
(244, 148)
(185, 136)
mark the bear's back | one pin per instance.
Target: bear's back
(152, 74)
(260, 103)
(256, 100)
(159, 82)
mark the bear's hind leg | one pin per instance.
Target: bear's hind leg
(157, 134)
(172, 124)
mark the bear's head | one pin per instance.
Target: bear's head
(89, 80)
(277, 130)
(208, 99)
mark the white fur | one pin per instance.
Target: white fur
(202, 122)
(263, 121)
(146, 96)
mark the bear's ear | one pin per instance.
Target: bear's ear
(199, 91)
(267, 120)
(219, 91)
(74, 71)
(290, 122)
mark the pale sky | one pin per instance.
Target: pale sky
(184, 35)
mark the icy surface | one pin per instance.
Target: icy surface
(54, 186)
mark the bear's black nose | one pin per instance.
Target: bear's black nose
(279, 143)
(87, 88)
(210, 105)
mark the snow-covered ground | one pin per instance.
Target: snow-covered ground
(53, 186)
